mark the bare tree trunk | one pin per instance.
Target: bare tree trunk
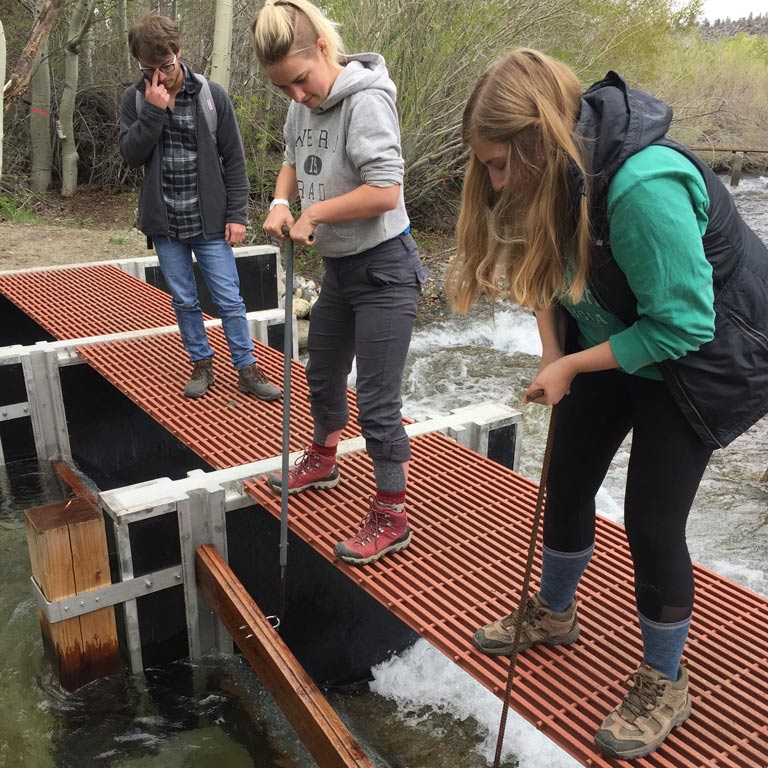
(121, 25)
(82, 15)
(20, 77)
(221, 56)
(40, 123)
(2, 80)
(140, 8)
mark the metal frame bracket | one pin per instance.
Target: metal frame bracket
(105, 597)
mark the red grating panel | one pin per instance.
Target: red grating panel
(471, 520)
(88, 301)
(225, 428)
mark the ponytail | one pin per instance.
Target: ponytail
(287, 27)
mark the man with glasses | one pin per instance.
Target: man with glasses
(193, 197)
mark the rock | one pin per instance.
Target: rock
(302, 333)
(301, 308)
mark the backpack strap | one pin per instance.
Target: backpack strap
(204, 97)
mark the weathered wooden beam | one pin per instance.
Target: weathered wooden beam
(68, 550)
(751, 150)
(314, 720)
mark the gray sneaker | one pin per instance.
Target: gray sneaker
(252, 381)
(540, 625)
(201, 379)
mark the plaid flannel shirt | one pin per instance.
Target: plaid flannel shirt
(180, 166)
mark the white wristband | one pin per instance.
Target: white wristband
(278, 201)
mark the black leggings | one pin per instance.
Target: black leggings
(666, 464)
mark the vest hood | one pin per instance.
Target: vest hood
(617, 121)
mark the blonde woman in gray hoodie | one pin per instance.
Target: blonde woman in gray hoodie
(344, 163)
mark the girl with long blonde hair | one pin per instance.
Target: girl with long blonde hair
(651, 302)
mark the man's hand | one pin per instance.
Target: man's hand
(156, 93)
(234, 233)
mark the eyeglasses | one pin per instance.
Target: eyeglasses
(166, 68)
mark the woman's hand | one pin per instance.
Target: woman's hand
(303, 231)
(552, 382)
(279, 217)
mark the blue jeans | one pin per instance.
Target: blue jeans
(217, 263)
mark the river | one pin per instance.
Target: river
(418, 711)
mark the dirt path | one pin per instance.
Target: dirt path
(91, 226)
(23, 246)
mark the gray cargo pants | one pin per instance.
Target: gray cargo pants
(366, 309)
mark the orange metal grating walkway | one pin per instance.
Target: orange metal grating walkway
(471, 519)
(92, 300)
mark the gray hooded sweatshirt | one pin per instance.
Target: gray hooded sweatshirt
(352, 138)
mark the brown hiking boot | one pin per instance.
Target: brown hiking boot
(252, 381)
(311, 470)
(540, 625)
(201, 379)
(653, 706)
(384, 530)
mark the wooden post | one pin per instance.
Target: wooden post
(736, 169)
(312, 717)
(68, 550)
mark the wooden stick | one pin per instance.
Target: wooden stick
(312, 717)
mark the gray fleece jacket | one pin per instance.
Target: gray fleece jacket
(222, 179)
(352, 138)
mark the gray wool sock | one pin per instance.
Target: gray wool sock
(663, 644)
(390, 476)
(560, 575)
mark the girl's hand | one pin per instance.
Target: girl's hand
(279, 217)
(303, 231)
(551, 384)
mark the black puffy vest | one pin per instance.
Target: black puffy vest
(722, 388)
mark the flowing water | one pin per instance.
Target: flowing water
(418, 711)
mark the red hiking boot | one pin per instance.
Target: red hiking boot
(311, 470)
(383, 530)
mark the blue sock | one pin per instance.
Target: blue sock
(560, 575)
(663, 644)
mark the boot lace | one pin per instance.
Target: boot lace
(200, 369)
(304, 464)
(372, 524)
(642, 696)
(257, 374)
(530, 615)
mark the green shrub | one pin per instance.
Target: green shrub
(12, 210)
(718, 89)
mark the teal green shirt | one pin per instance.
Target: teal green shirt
(657, 213)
